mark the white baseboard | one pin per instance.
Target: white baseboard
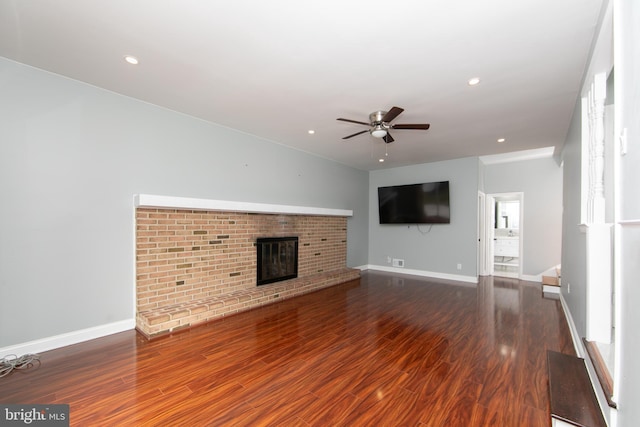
(435, 275)
(556, 422)
(531, 278)
(551, 271)
(551, 289)
(575, 336)
(69, 338)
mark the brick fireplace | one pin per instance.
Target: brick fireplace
(193, 266)
(277, 259)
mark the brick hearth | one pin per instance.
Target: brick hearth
(193, 266)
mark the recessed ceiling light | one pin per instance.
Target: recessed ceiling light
(311, 131)
(381, 160)
(131, 59)
(501, 140)
(473, 81)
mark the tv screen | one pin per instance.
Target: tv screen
(426, 203)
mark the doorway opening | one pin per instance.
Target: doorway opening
(501, 253)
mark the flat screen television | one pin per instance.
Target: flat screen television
(426, 203)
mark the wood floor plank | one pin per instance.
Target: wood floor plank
(331, 409)
(384, 350)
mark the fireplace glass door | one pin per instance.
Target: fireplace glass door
(277, 259)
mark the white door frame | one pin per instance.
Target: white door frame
(485, 247)
(490, 201)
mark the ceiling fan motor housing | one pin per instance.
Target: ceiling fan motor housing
(376, 117)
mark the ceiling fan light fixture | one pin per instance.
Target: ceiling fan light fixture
(378, 131)
(131, 59)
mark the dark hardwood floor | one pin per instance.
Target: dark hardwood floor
(386, 350)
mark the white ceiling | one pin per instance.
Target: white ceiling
(278, 68)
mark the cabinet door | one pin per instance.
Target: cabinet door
(506, 247)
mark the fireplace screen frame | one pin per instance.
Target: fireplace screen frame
(269, 242)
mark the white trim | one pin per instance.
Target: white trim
(485, 240)
(435, 275)
(516, 156)
(156, 201)
(550, 289)
(69, 338)
(575, 336)
(538, 277)
(557, 422)
(134, 260)
(629, 222)
(599, 275)
(531, 278)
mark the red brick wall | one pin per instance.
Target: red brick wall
(184, 255)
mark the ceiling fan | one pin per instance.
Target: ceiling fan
(379, 124)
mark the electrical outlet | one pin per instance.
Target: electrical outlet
(398, 262)
(459, 266)
(388, 260)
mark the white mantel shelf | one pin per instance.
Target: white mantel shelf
(169, 202)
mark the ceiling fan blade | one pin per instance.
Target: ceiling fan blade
(392, 114)
(355, 134)
(423, 126)
(354, 121)
(388, 138)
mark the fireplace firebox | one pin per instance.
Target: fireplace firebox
(277, 259)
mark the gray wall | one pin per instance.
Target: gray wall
(541, 182)
(436, 248)
(574, 243)
(481, 173)
(71, 158)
